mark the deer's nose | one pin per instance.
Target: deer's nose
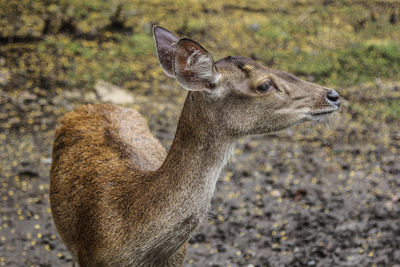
(333, 97)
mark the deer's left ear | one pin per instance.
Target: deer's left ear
(194, 67)
(165, 43)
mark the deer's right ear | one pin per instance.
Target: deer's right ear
(166, 44)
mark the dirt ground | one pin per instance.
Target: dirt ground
(322, 195)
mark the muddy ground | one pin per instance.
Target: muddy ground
(324, 195)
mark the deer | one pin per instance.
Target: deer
(119, 199)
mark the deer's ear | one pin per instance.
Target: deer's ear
(194, 67)
(166, 44)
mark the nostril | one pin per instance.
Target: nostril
(333, 97)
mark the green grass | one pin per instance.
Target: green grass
(338, 43)
(112, 60)
(347, 66)
(389, 109)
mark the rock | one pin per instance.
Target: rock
(90, 97)
(276, 193)
(46, 161)
(351, 226)
(388, 205)
(4, 77)
(112, 93)
(73, 94)
(396, 198)
(26, 96)
(254, 27)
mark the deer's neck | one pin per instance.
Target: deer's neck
(195, 160)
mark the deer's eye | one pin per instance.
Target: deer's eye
(265, 87)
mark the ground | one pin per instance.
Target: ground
(313, 195)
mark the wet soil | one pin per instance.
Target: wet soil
(324, 195)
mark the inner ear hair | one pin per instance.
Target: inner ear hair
(194, 67)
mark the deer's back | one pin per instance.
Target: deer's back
(103, 132)
(99, 151)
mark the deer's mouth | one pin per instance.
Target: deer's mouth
(321, 114)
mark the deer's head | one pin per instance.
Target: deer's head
(239, 94)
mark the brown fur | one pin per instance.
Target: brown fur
(118, 199)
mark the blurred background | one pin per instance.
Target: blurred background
(314, 195)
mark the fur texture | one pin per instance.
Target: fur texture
(118, 199)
